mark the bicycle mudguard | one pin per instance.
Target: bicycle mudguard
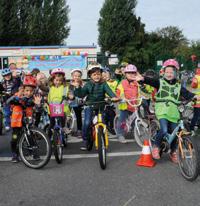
(105, 132)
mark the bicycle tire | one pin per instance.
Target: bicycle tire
(101, 148)
(140, 133)
(188, 171)
(27, 151)
(116, 119)
(58, 148)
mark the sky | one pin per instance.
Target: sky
(155, 14)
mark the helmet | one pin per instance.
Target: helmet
(29, 80)
(57, 71)
(106, 69)
(6, 71)
(76, 70)
(40, 75)
(123, 64)
(171, 62)
(130, 68)
(35, 71)
(93, 68)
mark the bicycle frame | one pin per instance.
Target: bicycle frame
(96, 127)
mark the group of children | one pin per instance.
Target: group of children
(27, 93)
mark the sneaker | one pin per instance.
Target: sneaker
(173, 156)
(156, 153)
(15, 158)
(112, 131)
(79, 133)
(7, 128)
(122, 139)
(36, 157)
(83, 147)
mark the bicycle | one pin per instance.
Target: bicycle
(34, 146)
(58, 135)
(1, 116)
(98, 133)
(188, 148)
(136, 125)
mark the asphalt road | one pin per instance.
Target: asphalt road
(79, 181)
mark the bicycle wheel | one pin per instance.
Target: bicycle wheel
(153, 127)
(188, 157)
(141, 132)
(35, 149)
(101, 148)
(116, 119)
(58, 147)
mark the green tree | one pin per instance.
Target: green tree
(9, 23)
(116, 25)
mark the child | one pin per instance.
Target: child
(169, 91)
(196, 89)
(10, 86)
(76, 75)
(59, 90)
(42, 90)
(128, 89)
(110, 109)
(94, 90)
(23, 99)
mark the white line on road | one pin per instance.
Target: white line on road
(130, 200)
(78, 140)
(81, 156)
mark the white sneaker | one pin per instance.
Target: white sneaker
(7, 128)
(122, 139)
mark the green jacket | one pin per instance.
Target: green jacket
(95, 92)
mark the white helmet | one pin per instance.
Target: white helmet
(57, 71)
(77, 70)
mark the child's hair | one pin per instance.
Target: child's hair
(54, 76)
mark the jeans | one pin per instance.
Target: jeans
(88, 117)
(123, 115)
(7, 114)
(195, 118)
(110, 116)
(165, 128)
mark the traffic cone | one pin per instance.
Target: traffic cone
(146, 159)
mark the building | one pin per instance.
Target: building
(48, 57)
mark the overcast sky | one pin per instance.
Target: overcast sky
(185, 14)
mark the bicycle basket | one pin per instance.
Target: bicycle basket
(56, 110)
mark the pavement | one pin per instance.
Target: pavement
(79, 180)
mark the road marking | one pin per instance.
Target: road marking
(82, 156)
(73, 140)
(130, 200)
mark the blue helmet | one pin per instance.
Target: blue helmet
(106, 69)
(6, 71)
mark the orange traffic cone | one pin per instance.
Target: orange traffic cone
(146, 159)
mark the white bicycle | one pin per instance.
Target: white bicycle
(135, 125)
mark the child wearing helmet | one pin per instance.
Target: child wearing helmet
(129, 89)
(196, 89)
(76, 75)
(42, 89)
(58, 92)
(169, 91)
(10, 86)
(94, 90)
(23, 100)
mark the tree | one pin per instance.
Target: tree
(9, 22)
(116, 25)
(33, 22)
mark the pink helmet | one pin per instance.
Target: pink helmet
(171, 62)
(57, 71)
(130, 68)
